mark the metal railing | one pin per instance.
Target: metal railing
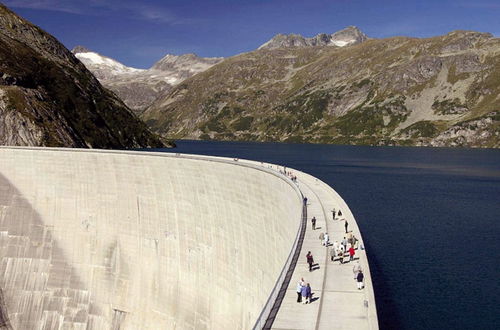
(270, 310)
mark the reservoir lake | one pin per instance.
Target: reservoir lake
(430, 220)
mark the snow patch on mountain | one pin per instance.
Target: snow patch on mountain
(91, 58)
(342, 43)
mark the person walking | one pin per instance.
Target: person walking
(360, 279)
(346, 225)
(313, 221)
(322, 238)
(351, 253)
(310, 260)
(354, 241)
(341, 254)
(344, 244)
(349, 237)
(299, 291)
(333, 214)
(356, 269)
(308, 293)
(304, 294)
(327, 239)
(333, 253)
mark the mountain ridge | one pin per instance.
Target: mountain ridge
(439, 91)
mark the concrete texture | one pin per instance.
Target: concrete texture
(117, 240)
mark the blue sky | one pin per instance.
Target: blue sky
(138, 33)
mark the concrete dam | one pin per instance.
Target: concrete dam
(132, 240)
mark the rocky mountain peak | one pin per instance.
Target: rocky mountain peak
(80, 49)
(348, 36)
(188, 62)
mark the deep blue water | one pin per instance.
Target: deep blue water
(430, 219)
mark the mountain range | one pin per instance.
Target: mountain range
(49, 98)
(439, 91)
(138, 88)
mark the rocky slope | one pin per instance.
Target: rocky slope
(138, 88)
(49, 98)
(441, 91)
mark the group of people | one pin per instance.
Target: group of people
(304, 292)
(339, 249)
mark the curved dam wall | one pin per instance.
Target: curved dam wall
(123, 240)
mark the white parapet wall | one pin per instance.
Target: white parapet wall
(123, 240)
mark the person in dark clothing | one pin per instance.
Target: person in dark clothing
(346, 225)
(308, 294)
(360, 279)
(310, 260)
(313, 221)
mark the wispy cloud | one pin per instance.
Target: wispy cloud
(52, 5)
(128, 9)
(480, 4)
(146, 12)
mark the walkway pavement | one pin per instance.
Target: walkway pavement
(338, 304)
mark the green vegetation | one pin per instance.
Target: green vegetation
(242, 124)
(211, 105)
(368, 119)
(423, 128)
(307, 108)
(362, 83)
(449, 107)
(453, 77)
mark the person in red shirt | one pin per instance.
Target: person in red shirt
(351, 253)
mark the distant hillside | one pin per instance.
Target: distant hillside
(49, 98)
(441, 91)
(138, 88)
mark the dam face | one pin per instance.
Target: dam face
(118, 240)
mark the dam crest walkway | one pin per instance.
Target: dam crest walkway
(337, 302)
